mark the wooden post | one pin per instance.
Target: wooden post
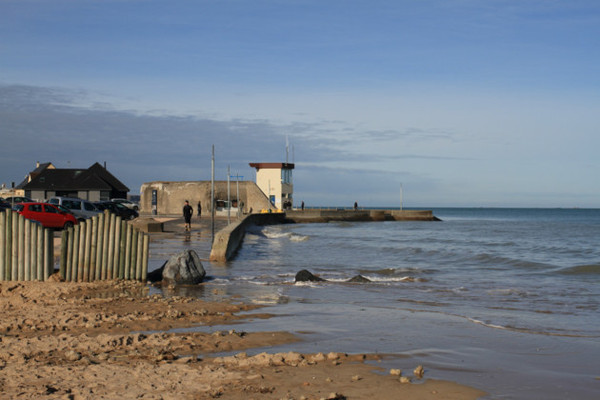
(146, 251)
(48, 252)
(39, 245)
(99, 230)
(63, 252)
(75, 264)
(81, 259)
(93, 248)
(134, 242)
(3, 243)
(87, 251)
(8, 247)
(117, 247)
(122, 250)
(15, 247)
(33, 251)
(111, 247)
(105, 243)
(27, 250)
(140, 250)
(128, 236)
(21, 248)
(69, 264)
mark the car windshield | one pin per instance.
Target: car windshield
(64, 209)
(19, 207)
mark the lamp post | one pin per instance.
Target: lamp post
(401, 197)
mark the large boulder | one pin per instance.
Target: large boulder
(184, 268)
(307, 276)
(358, 279)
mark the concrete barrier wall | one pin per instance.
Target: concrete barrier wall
(324, 215)
(229, 239)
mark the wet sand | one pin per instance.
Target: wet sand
(107, 340)
(111, 340)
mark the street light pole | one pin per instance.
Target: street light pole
(401, 197)
(212, 195)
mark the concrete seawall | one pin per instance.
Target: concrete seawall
(229, 239)
(324, 215)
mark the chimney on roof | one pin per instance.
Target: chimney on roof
(37, 164)
(104, 164)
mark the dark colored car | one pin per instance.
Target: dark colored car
(4, 205)
(18, 199)
(117, 209)
(46, 214)
(127, 203)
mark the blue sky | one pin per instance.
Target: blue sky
(459, 102)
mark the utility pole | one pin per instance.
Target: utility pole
(237, 195)
(228, 194)
(212, 195)
(401, 197)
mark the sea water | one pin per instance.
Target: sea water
(506, 300)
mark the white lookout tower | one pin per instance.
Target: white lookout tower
(275, 180)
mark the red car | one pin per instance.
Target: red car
(48, 215)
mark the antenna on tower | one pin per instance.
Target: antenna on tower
(287, 148)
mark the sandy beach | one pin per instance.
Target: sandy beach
(109, 340)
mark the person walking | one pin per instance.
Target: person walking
(199, 209)
(187, 215)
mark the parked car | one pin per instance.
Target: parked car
(46, 214)
(117, 209)
(18, 199)
(82, 209)
(129, 204)
(4, 205)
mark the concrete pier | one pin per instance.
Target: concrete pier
(327, 215)
(229, 239)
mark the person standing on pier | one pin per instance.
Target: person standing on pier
(355, 206)
(187, 215)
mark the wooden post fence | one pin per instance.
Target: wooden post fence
(102, 247)
(26, 249)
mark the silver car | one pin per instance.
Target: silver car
(82, 209)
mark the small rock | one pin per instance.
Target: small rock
(419, 371)
(356, 378)
(396, 372)
(404, 379)
(72, 355)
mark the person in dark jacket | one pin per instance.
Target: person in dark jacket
(187, 215)
(199, 209)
